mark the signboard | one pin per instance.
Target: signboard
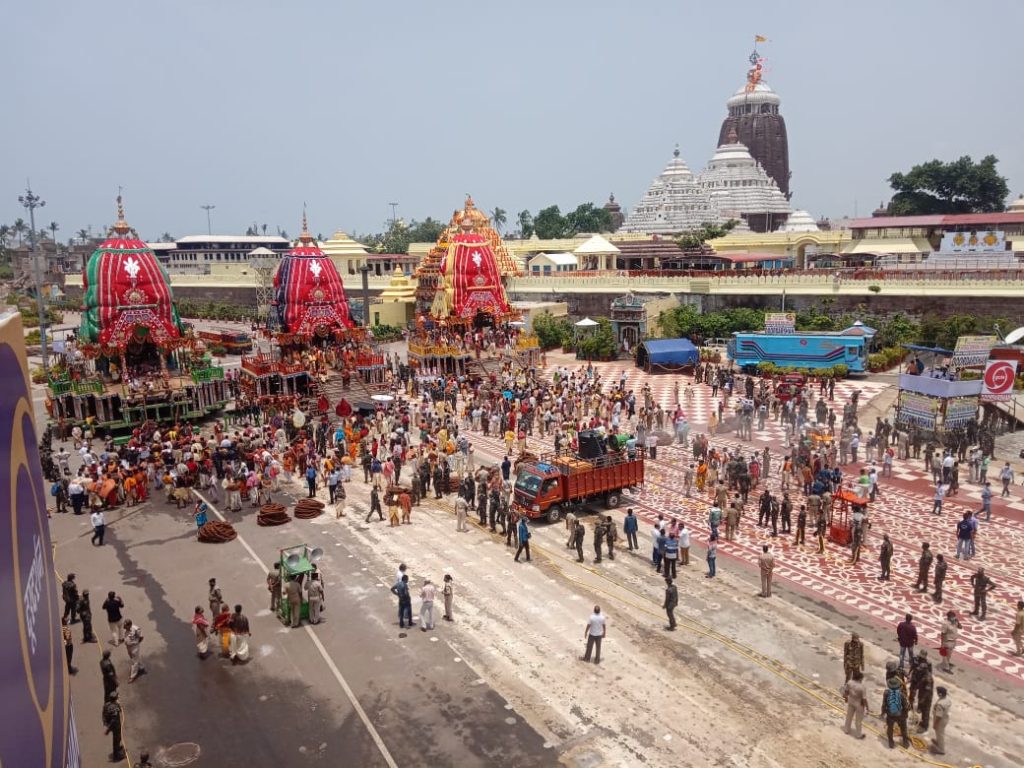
(36, 725)
(997, 383)
(780, 322)
(972, 351)
(917, 409)
(982, 241)
(960, 411)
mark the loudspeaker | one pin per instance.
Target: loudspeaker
(592, 446)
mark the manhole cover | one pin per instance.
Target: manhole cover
(179, 754)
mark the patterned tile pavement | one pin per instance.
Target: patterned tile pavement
(903, 510)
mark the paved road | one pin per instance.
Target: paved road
(289, 702)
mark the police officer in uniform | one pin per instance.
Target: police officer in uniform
(112, 721)
(579, 533)
(274, 587)
(315, 595)
(610, 535)
(109, 673)
(293, 591)
(492, 514)
(599, 532)
(375, 504)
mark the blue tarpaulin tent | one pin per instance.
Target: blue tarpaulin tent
(667, 354)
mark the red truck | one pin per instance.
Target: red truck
(551, 485)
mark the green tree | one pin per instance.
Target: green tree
(551, 331)
(898, 329)
(961, 186)
(588, 218)
(427, 231)
(709, 230)
(550, 224)
(526, 228)
(499, 216)
(53, 226)
(599, 343)
(83, 236)
(20, 229)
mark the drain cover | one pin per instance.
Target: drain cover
(177, 755)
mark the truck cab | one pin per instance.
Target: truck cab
(537, 488)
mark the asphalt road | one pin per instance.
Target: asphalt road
(290, 702)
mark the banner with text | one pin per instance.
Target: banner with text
(972, 351)
(780, 322)
(918, 409)
(960, 411)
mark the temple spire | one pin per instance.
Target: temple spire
(304, 235)
(121, 226)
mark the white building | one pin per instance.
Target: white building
(674, 203)
(195, 254)
(739, 188)
(800, 221)
(552, 263)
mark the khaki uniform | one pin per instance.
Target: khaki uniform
(856, 706)
(766, 562)
(940, 719)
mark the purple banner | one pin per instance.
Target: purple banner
(34, 694)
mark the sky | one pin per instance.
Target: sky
(260, 106)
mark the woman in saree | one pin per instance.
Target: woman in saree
(201, 627)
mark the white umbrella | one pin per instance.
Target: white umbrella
(586, 322)
(382, 398)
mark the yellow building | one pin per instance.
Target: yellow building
(396, 304)
(347, 254)
(791, 245)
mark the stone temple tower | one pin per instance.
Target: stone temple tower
(755, 118)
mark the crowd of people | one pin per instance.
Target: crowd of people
(422, 442)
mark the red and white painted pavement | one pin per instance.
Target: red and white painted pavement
(903, 510)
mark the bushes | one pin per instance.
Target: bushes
(886, 358)
(770, 369)
(551, 331)
(213, 310)
(386, 332)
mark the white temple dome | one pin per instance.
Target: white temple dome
(673, 203)
(738, 186)
(762, 94)
(800, 221)
(1017, 206)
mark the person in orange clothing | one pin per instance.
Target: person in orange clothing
(222, 624)
(130, 492)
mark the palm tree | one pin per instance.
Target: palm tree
(53, 227)
(82, 235)
(5, 232)
(166, 237)
(20, 228)
(264, 228)
(499, 216)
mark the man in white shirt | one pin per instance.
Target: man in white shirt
(684, 544)
(594, 633)
(652, 446)
(99, 527)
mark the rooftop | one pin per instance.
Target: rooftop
(939, 220)
(254, 239)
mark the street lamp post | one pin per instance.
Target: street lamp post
(394, 214)
(208, 208)
(32, 201)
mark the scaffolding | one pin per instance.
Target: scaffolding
(263, 262)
